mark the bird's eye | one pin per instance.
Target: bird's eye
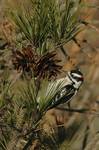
(78, 79)
(74, 76)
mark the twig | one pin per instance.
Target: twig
(76, 42)
(64, 52)
(90, 25)
(85, 137)
(82, 110)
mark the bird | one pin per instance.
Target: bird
(73, 82)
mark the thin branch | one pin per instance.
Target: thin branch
(85, 137)
(82, 111)
(90, 25)
(76, 42)
(64, 51)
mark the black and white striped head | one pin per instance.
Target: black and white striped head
(76, 77)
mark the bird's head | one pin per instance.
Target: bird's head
(76, 77)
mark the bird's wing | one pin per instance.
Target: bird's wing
(63, 96)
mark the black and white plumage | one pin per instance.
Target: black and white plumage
(74, 79)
